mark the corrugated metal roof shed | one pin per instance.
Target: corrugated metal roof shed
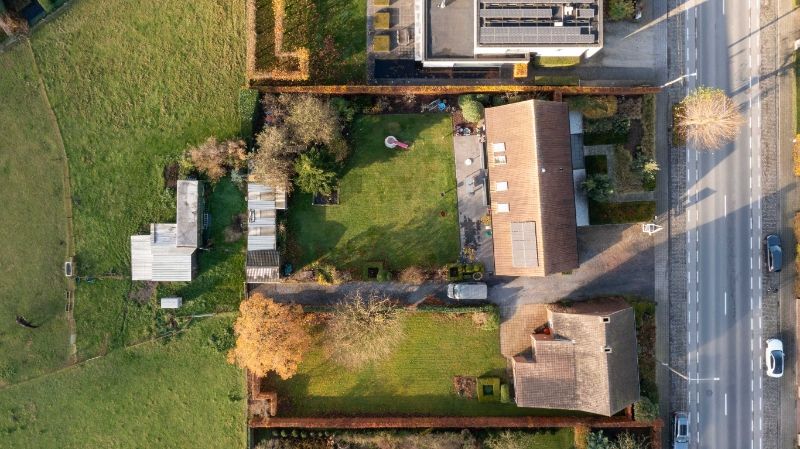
(172, 302)
(188, 220)
(141, 258)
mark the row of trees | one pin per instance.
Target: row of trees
(303, 138)
(272, 336)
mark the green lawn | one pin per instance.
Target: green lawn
(390, 201)
(133, 84)
(33, 225)
(415, 380)
(556, 61)
(176, 394)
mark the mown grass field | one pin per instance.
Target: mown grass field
(132, 89)
(33, 224)
(165, 394)
(391, 205)
(133, 84)
(417, 379)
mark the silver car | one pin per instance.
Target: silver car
(680, 432)
(774, 357)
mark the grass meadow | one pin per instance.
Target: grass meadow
(33, 224)
(172, 394)
(391, 205)
(133, 84)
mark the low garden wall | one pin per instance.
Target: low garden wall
(451, 422)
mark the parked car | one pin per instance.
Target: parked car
(772, 245)
(467, 290)
(774, 358)
(680, 432)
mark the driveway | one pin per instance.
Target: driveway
(614, 259)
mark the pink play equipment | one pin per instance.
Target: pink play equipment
(392, 142)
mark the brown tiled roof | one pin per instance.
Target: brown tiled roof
(572, 370)
(540, 187)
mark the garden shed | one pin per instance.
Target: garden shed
(168, 253)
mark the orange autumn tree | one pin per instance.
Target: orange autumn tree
(270, 336)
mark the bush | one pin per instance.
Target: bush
(412, 275)
(649, 125)
(311, 119)
(346, 110)
(647, 169)
(645, 410)
(596, 440)
(313, 175)
(471, 108)
(364, 328)
(598, 187)
(796, 154)
(620, 10)
(214, 158)
(339, 150)
(613, 125)
(273, 163)
(505, 396)
(594, 106)
(248, 101)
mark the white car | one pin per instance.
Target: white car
(774, 357)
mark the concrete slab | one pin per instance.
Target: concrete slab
(451, 29)
(473, 199)
(581, 200)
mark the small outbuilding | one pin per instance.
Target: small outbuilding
(171, 302)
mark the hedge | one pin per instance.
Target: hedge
(488, 308)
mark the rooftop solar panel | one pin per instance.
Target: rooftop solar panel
(535, 35)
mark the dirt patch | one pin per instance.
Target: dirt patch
(235, 230)
(481, 319)
(465, 386)
(171, 172)
(144, 293)
(635, 135)
(432, 300)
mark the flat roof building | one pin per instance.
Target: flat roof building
(470, 33)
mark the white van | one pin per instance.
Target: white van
(467, 290)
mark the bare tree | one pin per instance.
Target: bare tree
(364, 328)
(708, 118)
(273, 163)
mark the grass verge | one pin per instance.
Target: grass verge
(391, 205)
(33, 224)
(556, 61)
(180, 393)
(417, 379)
(617, 213)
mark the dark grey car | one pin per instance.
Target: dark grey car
(772, 245)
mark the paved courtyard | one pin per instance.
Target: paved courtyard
(614, 259)
(473, 198)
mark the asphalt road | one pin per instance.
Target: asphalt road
(724, 237)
